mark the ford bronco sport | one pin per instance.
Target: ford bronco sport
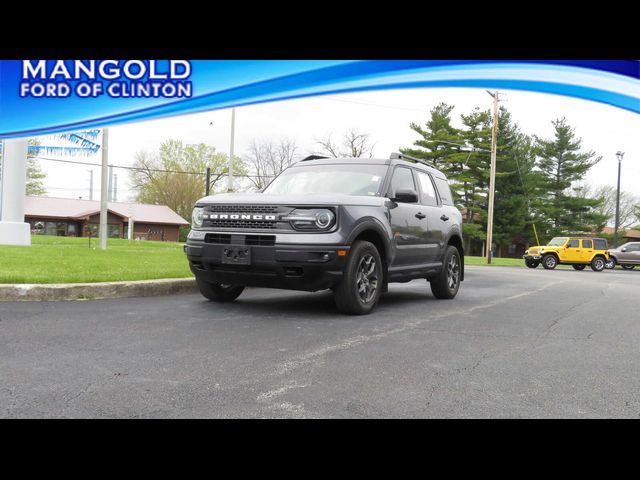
(351, 225)
(578, 252)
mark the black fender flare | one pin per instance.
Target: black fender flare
(372, 223)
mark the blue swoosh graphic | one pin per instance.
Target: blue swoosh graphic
(226, 83)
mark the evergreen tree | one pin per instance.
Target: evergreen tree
(562, 163)
(438, 135)
(517, 184)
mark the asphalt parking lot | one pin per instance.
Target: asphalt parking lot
(514, 343)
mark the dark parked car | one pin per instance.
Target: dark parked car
(347, 224)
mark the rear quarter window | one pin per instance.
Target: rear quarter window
(444, 191)
(600, 244)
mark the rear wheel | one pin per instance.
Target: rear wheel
(447, 283)
(361, 285)
(531, 263)
(549, 261)
(579, 267)
(628, 267)
(597, 264)
(219, 292)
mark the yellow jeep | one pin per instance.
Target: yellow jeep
(578, 252)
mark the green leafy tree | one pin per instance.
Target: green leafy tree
(176, 175)
(562, 163)
(35, 175)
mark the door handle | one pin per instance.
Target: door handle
(444, 218)
(420, 215)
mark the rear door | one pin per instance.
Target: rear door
(587, 250)
(435, 233)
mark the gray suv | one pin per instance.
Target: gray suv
(627, 256)
(351, 225)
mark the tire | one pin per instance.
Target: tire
(628, 267)
(579, 267)
(597, 264)
(531, 263)
(549, 262)
(447, 283)
(359, 291)
(610, 264)
(217, 292)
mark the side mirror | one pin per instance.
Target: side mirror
(405, 195)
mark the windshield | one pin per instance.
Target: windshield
(557, 241)
(356, 179)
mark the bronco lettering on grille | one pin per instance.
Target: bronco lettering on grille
(241, 216)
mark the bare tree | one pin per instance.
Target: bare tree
(607, 207)
(267, 159)
(354, 144)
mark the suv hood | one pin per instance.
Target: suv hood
(292, 200)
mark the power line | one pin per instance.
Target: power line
(138, 169)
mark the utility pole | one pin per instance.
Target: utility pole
(620, 155)
(230, 167)
(492, 178)
(103, 189)
(90, 184)
(208, 185)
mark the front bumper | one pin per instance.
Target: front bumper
(533, 258)
(309, 267)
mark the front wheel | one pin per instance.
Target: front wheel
(597, 264)
(361, 285)
(610, 264)
(219, 292)
(531, 263)
(446, 284)
(549, 262)
(628, 267)
(579, 267)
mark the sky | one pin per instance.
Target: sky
(385, 115)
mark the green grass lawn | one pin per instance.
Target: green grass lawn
(71, 260)
(500, 262)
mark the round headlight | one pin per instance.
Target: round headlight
(196, 217)
(324, 219)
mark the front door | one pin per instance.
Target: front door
(408, 222)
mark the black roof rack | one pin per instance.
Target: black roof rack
(402, 156)
(313, 157)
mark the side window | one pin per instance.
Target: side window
(444, 191)
(634, 247)
(600, 244)
(426, 186)
(402, 178)
(573, 244)
(587, 244)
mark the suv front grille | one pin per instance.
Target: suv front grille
(238, 223)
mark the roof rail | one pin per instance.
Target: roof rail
(402, 156)
(313, 157)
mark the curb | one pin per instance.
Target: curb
(94, 291)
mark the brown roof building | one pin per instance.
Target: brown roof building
(79, 218)
(630, 235)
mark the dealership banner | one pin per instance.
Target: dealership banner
(43, 97)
